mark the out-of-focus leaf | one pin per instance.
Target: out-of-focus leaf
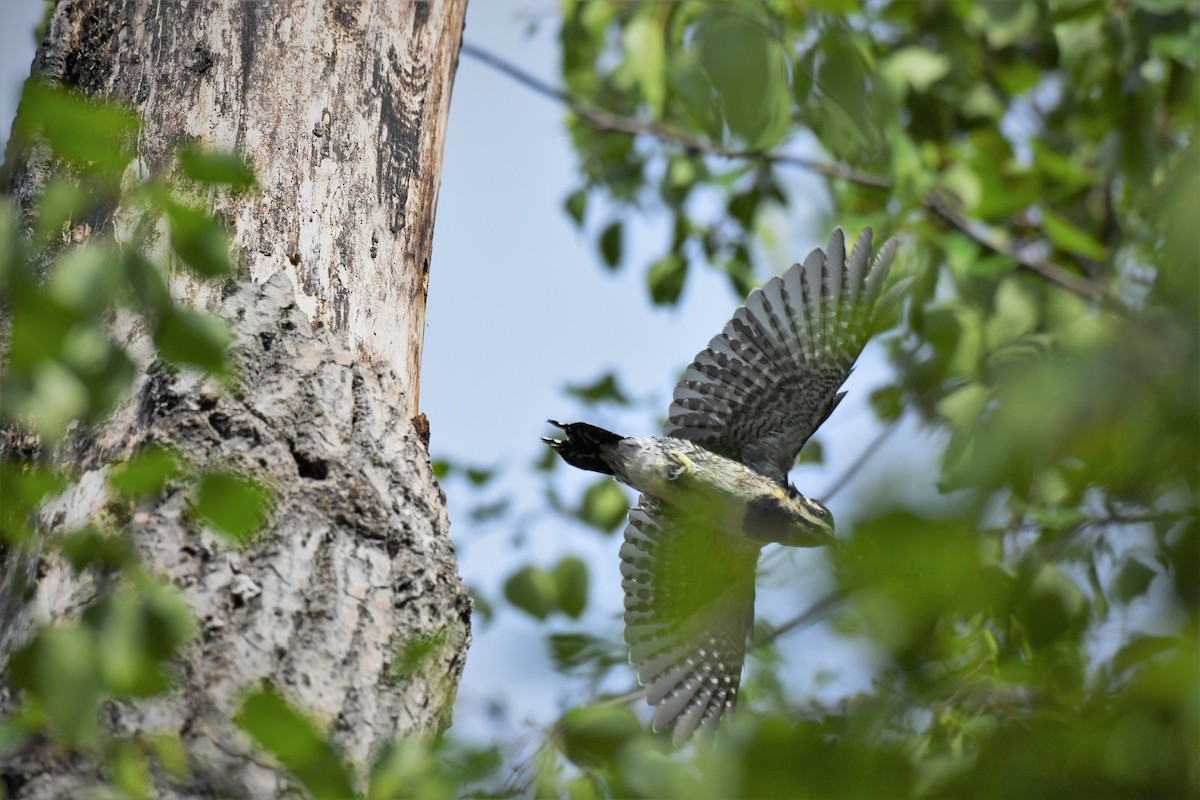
(916, 67)
(62, 202)
(1070, 237)
(886, 400)
(234, 505)
(1054, 608)
(605, 389)
(1133, 580)
(146, 282)
(216, 168)
(571, 584)
(645, 65)
(576, 206)
(199, 240)
(812, 453)
(964, 406)
(533, 590)
(57, 669)
(88, 547)
(91, 133)
(744, 66)
(146, 472)
(666, 278)
(184, 336)
(294, 740)
(612, 244)
(594, 735)
(604, 505)
(479, 476)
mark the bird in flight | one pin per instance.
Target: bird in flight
(714, 487)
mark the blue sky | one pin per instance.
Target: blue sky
(519, 305)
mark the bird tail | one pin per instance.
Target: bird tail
(586, 446)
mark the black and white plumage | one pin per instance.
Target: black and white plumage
(714, 487)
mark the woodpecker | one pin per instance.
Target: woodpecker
(714, 487)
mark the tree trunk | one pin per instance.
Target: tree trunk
(341, 107)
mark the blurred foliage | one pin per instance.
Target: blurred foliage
(1040, 163)
(73, 259)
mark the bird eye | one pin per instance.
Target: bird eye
(821, 513)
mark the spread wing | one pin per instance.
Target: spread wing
(771, 377)
(689, 606)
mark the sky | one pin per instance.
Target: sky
(519, 306)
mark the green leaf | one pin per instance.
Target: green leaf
(146, 282)
(605, 389)
(199, 240)
(571, 583)
(576, 206)
(478, 476)
(645, 64)
(184, 336)
(745, 67)
(964, 406)
(1133, 580)
(915, 67)
(233, 505)
(295, 741)
(86, 278)
(887, 402)
(216, 168)
(812, 453)
(92, 134)
(666, 278)
(604, 505)
(62, 203)
(611, 245)
(88, 547)
(57, 669)
(593, 736)
(146, 473)
(533, 590)
(1067, 236)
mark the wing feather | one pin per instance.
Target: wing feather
(689, 606)
(764, 384)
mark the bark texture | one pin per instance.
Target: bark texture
(341, 106)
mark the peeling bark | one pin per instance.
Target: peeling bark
(341, 107)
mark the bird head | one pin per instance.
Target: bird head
(787, 517)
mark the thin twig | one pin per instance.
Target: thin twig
(862, 459)
(810, 616)
(987, 237)
(606, 120)
(937, 203)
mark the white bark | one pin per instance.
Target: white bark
(341, 106)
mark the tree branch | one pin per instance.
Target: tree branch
(862, 459)
(810, 616)
(606, 120)
(937, 203)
